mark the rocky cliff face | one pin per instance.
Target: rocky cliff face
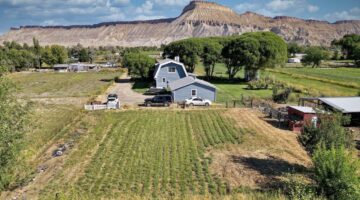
(198, 19)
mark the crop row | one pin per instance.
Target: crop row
(156, 153)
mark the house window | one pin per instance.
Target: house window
(164, 80)
(194, 93)
(172, 69)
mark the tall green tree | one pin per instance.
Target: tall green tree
(258, 50)
(20, 59)
(84, 55)
(187, 50)
(47, 56)
(243, 51)
(314, 56)
(37, 53)
(348, 44)
(138, 64)
(210, 56)
(13, 121)
(294, 48)
(273, 52)
(356, 55)
(59, 54)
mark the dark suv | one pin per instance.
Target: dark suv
(159, 100)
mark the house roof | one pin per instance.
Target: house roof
(167, 61)
(343, 104)
(303, 109)
(187, 81)
(60, 66)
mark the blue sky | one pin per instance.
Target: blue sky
(14, 13)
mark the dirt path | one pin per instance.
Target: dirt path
(123, 88)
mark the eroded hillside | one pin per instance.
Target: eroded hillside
(198, 19)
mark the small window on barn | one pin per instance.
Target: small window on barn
(164, 80)
(194, 93)
(172, 69)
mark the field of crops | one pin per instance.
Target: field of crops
(146, 153)
(320, 82)
(62, 84)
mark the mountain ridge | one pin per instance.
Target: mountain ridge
(198, 19)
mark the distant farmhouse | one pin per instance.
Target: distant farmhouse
(75, 67)
(297, 58)
(172, 74)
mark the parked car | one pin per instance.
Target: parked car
(159, 100)
(197, 101)
(113, 101)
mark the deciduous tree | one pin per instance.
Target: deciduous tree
(243, 51)
(59, 53)
(294, 48)
(138, 64)
(187, 50)
(348, 44)
(314, 56)
(210, 56)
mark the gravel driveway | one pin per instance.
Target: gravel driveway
(123, 88)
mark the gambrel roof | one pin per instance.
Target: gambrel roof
(165, 62)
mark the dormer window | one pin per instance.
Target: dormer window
(172, 69)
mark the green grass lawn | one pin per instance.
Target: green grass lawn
(346, 76)
(320, 82)
(62, 84)
(311, 81)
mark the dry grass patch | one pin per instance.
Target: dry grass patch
(263, 157)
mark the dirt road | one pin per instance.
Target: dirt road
(123, 88)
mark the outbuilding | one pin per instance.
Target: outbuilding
(294, 60)
(61, 68)
(300, 116)
(189, 87)
(346, 105)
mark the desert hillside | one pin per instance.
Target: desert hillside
(198, 19)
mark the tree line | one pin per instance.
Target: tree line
(251, 52)
(17, 56)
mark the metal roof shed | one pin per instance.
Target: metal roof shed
(346, 105)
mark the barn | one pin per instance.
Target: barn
(189, 87)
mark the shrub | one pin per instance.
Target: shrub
(337, 173)
(281, 93)
(330, 133)
(296, 188)
(13, 119)
(261, 84)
